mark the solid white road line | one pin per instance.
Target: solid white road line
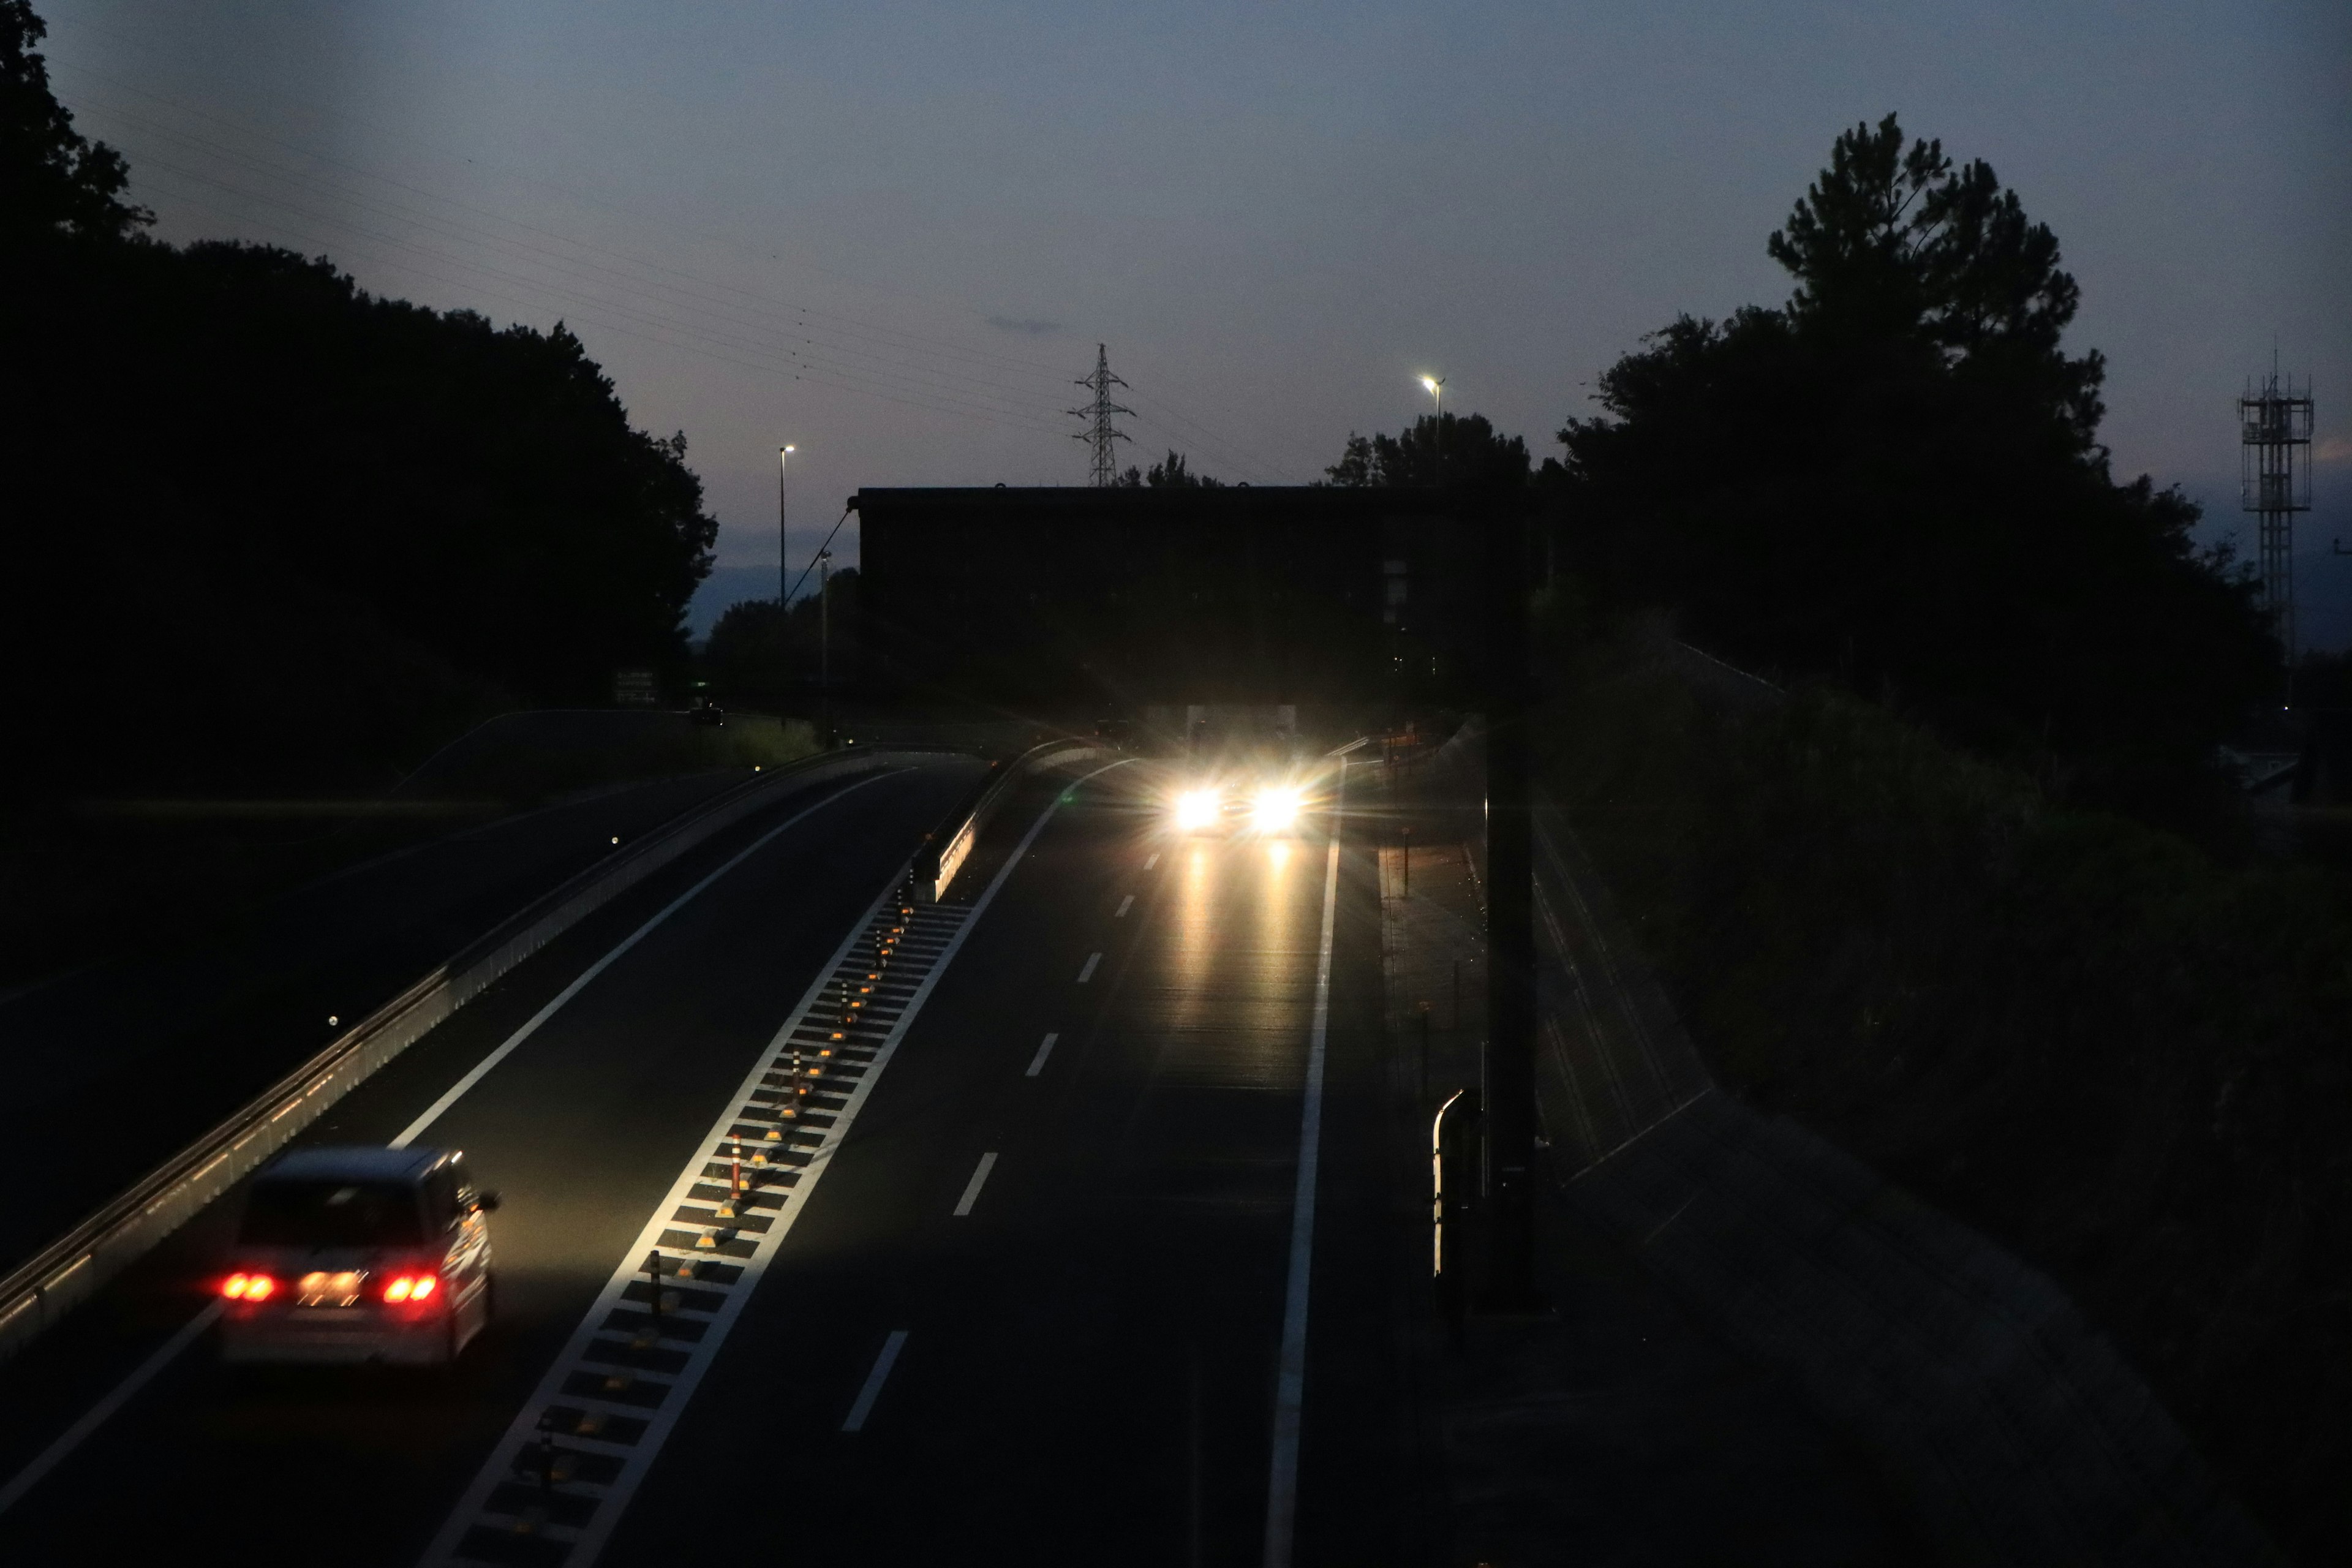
(1125, 904)
(1088, 971)
(1290, 1375)
(971, 1188)
(873, 1389)
(618, 1493)
(434, 1111)
(28, 1478)
(1153, 862)
(1038, 1062)
(98, 1415)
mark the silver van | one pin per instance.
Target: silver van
(359, 1254)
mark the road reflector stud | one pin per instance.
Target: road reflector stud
(776, 1135)
(616, 1382)
(594, 1421)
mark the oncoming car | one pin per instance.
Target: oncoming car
(359, 1254)
(1262, 805)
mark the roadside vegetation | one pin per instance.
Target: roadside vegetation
(2124, 1056)
(1971, 897)
(268, 535)
(1973, 901)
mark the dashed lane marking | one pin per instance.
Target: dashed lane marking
(971, 1188)
(1153, 862)
(1088, 971)
(560, 1478)
(1038, 1062)
(1125, 904)
(856, 1421)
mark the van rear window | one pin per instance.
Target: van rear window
(331, 1213)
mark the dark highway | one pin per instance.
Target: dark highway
(1107, 1251)
(1036, 1305)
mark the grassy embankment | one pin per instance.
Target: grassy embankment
(2122, 1056)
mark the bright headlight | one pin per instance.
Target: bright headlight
(1196, 809)
(1276, 808)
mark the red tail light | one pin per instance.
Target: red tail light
(411, 1288)
(248, 1287)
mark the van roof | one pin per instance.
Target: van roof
(356, 1163)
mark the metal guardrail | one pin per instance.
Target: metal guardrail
(938, 867)
(69, 1270)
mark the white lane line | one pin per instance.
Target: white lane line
(104, 1410)
(1290, 1377)
(1153, 862)
(873, 1389)
(1088, 971)
(1125, 904)
(457, 1090)
(524, 1430)
(25, 1480)
(971, 1188)
(1038, 1062)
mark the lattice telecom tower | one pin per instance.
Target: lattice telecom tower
(1100, 433)
(2274, 483)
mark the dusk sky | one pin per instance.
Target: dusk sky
(892, 235)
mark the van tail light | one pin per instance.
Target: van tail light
(412, 1290)
(244, 1287)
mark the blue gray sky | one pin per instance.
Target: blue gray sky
(893, 234)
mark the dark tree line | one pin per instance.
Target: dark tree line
(766, 657)
(1894, 481)
(267, 531)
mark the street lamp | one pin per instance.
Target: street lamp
(824, 648)
(1436, 386)
(784, 565)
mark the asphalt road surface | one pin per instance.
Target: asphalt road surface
(200, 1029)
(1034, 1311)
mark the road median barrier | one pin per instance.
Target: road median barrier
(945, 851)
(40, 1291)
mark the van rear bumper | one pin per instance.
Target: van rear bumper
(317, 1336)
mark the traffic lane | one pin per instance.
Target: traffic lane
(1370, 1485)
(41, 1392)
(1090, 1352)
(582, 1129)
(210, 1025)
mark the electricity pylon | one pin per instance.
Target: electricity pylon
(1100, 433)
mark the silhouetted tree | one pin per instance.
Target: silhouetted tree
(761, 657)
(51, 179)
(296, 529)
(1896, 479)
(1437, 450)
(1170, 473)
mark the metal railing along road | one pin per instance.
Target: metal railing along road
(71, 1269)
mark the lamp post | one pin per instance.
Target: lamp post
(824, 648)
(1436, 386)
(784, 560)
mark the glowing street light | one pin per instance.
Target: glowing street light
(783, 566)
(1436, 388)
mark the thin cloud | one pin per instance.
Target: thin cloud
(2334, 449)
(1025, 326)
